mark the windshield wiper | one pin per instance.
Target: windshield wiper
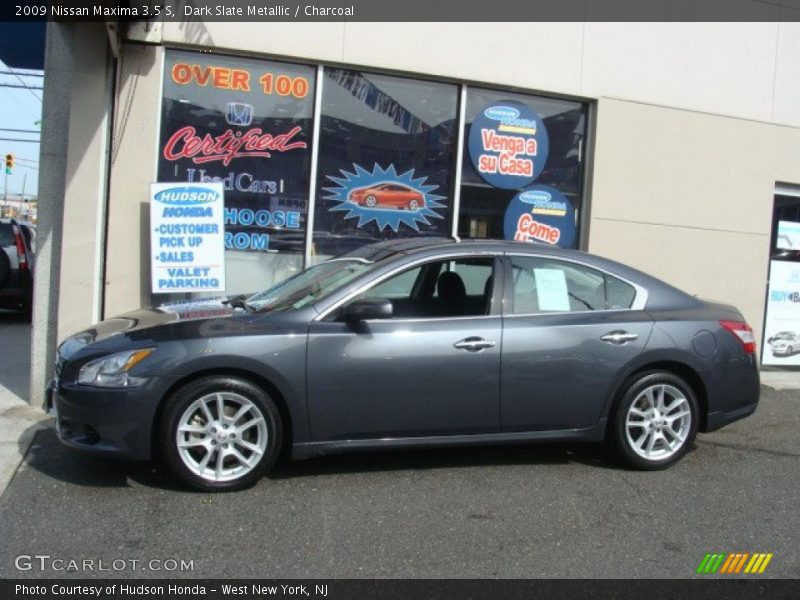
(238, 302)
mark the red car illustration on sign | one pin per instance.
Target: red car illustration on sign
(388, 195)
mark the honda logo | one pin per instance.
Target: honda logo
(239, 113)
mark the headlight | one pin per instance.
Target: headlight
(112, 370)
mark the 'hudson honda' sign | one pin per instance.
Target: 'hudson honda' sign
(187, 246)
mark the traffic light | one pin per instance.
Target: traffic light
(9, 163)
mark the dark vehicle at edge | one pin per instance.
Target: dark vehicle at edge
(17, 239)
(410, 343)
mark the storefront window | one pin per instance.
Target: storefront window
(387, 151)
(522, 168)
(247, 123)
(386, 161)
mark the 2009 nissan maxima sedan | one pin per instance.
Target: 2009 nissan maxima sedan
(410, 344)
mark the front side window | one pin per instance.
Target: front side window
(543, 285)
(446, 288)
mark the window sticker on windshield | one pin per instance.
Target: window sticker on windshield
(551, 289)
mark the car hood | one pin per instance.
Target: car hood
(200, 317)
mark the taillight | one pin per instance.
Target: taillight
(23, 258)
(743, 332)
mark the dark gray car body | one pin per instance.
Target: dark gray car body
(401, 382)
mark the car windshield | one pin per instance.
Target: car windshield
(783, 336)
(310, 285)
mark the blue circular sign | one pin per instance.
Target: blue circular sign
(508, 144)
(541, 214)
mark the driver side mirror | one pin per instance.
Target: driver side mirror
(368, 308)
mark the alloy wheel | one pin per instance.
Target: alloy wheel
(222, 436)
(658, 422)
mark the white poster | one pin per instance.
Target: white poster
(551, 288)
(187, 244)
(782, 323)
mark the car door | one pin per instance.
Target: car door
(568, 330)
(431, 370)
(393, 196)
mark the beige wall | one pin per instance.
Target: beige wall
(84, 194)
(134, 154)
(746, 70)
(687, 196)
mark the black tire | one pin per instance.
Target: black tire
(183, 398)
(630, 392)
(371, 201)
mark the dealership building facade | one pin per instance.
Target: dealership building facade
(672, 147)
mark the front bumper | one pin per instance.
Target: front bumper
(111, 422)
(780, 351)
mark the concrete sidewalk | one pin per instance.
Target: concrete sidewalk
(781, 380)
(19, 421)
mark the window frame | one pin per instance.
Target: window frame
(496, 300)
(638, 304)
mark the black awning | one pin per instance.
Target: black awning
(22, 44)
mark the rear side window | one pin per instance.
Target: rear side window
(543, 285)
(6, 235)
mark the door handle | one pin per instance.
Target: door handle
(618, 338)
(474, 344)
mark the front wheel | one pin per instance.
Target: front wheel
(220, 433)
(656, 420)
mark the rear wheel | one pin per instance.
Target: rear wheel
(656, 420)
(220, 433)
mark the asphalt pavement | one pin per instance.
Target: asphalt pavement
(524, 511)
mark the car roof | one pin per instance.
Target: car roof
(381, 250)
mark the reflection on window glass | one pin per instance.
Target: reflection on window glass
(546, 285)
(484, 204)
(396, 287)
(386, 160)
(308, 286)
